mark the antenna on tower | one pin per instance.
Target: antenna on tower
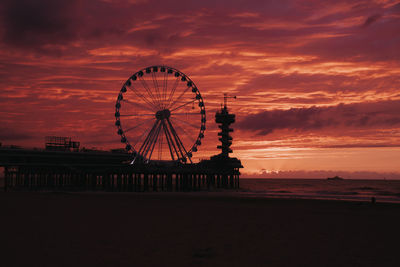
(226, 99)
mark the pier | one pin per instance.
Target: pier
(33, 170)
(159, 158)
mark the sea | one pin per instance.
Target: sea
(353, 190)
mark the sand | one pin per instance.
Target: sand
(193, 229)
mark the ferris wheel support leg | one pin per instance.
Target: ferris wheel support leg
(155, 140)
(175, 144)
(171, 141)
(150, 144)
(169, 144)
(143, 147)
(179, 142)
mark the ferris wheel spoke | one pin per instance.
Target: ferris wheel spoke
(137, 125)
(156, 87)
(140, 137)
(179, 97)
(184, 132)
(184, 114)
(165, 87)
(183, 105)
(133, 89)
(146, 87)
(140, 105)
(136, 115)
(171, 94)
(188, 123)
(179, 124)
(160, 114)
(138, 93)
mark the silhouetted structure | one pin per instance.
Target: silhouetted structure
(228, 167)
(38, 170)
(61, 169)
(169, 112)
(59, 143)
(62, 166)
(225, 120)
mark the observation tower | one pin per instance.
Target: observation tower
(225, 119)
(227, 167)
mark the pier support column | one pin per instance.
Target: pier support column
(139, 182)
(155, 176)
(169, 182)
(6, 174)
(146, 182)
(130, 182)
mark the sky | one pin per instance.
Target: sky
(317, 82)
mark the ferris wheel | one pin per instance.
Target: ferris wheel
(160, 115)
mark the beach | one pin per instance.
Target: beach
(194, 229)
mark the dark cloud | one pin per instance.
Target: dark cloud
(395, 8)
(29, 23)
(40, 23)
(335, 119)
(52, 26)
(371, 19)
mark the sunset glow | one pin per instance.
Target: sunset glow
(317, 82)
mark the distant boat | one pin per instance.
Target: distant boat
(336, 178)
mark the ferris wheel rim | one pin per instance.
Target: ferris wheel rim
(161, 111)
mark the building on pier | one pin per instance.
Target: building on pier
(59, 143)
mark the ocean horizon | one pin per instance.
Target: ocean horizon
(311, 188)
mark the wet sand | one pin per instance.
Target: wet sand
(193, 229)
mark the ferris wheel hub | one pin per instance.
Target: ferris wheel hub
(163, 114)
